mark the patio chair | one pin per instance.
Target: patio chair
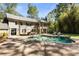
(59, 33)
(54, 33)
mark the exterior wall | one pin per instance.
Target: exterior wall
(13, 25)
(19, 26)
(2, 31)
(43, 28)
(39, 27)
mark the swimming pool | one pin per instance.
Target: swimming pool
(55, 39)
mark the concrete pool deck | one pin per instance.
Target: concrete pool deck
(24, 37)
(15, 47)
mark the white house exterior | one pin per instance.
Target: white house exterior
(21, 26)
(3, 28)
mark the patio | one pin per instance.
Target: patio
(15, 47)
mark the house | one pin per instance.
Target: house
(3, 27)
(20, 26)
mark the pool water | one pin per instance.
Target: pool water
(58, 39)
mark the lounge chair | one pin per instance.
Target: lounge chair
(54, 33)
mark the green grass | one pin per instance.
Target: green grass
(75, 36)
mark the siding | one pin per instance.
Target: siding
(4, 26)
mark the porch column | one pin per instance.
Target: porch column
(17, 31)
(39, 28)
(42, 28)
(46, 30)
(47, 27)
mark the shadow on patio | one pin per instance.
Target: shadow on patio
(36, 48)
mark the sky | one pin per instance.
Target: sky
(43, 8)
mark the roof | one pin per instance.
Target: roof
(3, 26)
(20, 18)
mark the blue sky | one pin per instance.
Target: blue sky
(43, 8)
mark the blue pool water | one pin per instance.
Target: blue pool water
(57, 39)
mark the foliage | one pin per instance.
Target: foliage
(32, 11)
(67, 16)
(51, 27)
(3, 36)
(74, 36)
(8, 8)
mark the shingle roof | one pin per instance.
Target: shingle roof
(11, 16)
(3, 26)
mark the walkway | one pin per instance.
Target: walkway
(15, 47)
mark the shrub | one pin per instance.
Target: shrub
(3, 36)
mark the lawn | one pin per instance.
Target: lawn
(75, 36)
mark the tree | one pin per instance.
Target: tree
(32, 11)
(51, 18)
(8, 8)
(67, 16)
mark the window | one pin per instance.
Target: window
(13, 31)
(21, 23)
(16, 22)
(33, 30)
(26, 23)
(23, 30)
(44, 30)
(29, 24)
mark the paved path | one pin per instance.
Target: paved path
(34, 48)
